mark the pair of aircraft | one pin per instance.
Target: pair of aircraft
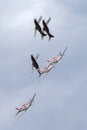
(52, 62)
(44, 29)
(25, 106)
(36, 66)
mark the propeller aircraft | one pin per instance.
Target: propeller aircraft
(25, 106)
(37, 27)
(55, 59)
(46, 29)
(32, 58)
(34, 63)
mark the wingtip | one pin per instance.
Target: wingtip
(35, 94)
(16, 108)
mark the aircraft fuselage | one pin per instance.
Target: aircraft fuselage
(37, 26)
(45, 28)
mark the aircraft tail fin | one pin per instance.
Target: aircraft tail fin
(48, 60)
(16, 108)
(50, 36)
(39, 75)
(43, 34)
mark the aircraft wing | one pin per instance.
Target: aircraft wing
(21, 114)
(35, 32)
(17, 113)
(48, 20)
(39, 19)
(32, 98)
(35, 59)
(32, 69)
(64, 51)
(36, 56)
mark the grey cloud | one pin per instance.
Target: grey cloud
(61, 94)
(78, 7)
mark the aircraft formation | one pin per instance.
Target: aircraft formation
(24, 107)
(51, 63)
(43, 29)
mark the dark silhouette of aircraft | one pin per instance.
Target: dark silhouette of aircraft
(36, 57)
(46, 29)
(35, 64)
(37, 27)
(25, 106)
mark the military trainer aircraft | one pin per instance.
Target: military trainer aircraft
(33, 60)
(37, 27)
(25, 106)
(46, 29)
(34, 63)
(46, 69)
(55, 59)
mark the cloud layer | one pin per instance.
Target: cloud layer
(61, 94)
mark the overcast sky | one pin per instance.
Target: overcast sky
(61, 100)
